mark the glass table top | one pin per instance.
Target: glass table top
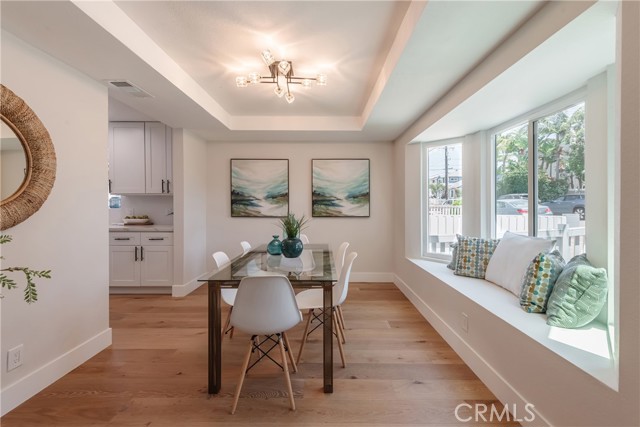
(315, 264)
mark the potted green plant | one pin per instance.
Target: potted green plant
(291, 227)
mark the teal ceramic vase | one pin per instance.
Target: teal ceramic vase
(292, 248)
(275, 246)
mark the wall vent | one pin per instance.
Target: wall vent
(130, 88)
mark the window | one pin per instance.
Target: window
(558, 213)
(442, 193)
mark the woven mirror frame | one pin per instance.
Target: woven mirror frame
(40, 156)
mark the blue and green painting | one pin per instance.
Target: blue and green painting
(340, 187)
(259, 187)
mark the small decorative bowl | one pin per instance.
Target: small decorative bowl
(139, 221)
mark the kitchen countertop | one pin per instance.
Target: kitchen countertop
(122, 227)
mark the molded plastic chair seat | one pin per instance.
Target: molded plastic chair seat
(266, 305)
(340, 255)
(312, 299)
(227, 295)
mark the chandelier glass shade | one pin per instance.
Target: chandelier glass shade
(280, 74)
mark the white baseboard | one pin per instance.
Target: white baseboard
(186, 288)
(498, 385)
(27, 387)
(372, 277)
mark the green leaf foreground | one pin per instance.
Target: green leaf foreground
(30, 291)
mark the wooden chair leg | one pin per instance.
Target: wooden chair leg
(285, 365)
(342, 326)
(304, 336)
(243, 373)
(335, 325)
(290, 352)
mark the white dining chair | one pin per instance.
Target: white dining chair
(228, 295)
(266, 306)
(339, 260)
(246, 247)
(312, 299)
(304, 239)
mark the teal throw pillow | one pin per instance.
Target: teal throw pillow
(539, 279)
(578, 295)
(473, 255)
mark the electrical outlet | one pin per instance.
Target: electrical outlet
(465, 322)
(14, 358)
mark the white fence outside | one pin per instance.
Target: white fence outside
(567, 230)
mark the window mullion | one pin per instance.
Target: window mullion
(533, 178)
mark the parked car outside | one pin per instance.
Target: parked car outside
(524, 196)
(518, 207)
(569, 203)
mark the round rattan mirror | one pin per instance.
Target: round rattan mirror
(40, 160)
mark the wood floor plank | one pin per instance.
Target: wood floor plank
(400, 373)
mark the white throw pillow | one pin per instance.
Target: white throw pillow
(511, 258)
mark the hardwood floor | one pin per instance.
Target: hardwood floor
(399, 372)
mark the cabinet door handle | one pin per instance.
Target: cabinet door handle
(122, 238)
(168, 182)
(141, 253)
(163, 185)
(156, 238)
(109, 186)
(136, 254)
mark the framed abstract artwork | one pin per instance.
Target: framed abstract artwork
(259, 187)
(340, 187)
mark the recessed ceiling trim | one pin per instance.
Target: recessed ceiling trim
(110, 17)
(411, 19)
(296, 123)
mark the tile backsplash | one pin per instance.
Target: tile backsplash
(157, 207)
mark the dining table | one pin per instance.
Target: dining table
(314, 268)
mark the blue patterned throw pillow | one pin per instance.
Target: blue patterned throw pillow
(473, 255)
(538, 281)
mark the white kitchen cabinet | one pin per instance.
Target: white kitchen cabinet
(158, 158)
(140, 158)
(139, 259)
(126, 157)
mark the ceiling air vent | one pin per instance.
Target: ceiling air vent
(130, 88)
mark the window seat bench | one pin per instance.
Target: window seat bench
(588, 347)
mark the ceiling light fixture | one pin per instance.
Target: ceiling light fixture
(281, 74)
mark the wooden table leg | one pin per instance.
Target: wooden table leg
(215, 338)
(327, 336)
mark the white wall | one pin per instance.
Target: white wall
(190, 194)
(70, 321)
(370, 237)
(515, 367)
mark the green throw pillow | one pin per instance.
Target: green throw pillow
(578, 295)
(473, 255)
(538, 281)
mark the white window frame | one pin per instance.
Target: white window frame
(530, 117)
(424, 231)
